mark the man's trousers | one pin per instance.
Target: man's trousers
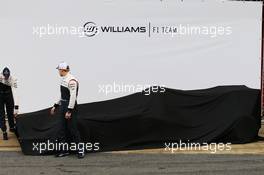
(6, 106)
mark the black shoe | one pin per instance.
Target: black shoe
(63, 154)
(80, 155)
(5, 136)
(13, 130)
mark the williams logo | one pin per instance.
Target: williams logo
(91, 29)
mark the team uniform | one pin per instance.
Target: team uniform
(8, 101)
(69, 87)
(68, 131)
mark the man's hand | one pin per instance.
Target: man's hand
(52, 111)
(68, 115)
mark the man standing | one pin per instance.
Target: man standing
(8, 101)
(68, 102)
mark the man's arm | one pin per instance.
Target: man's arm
(1, 78)
(14, 91)
(57, 103)
(73, 85)
(55, 106)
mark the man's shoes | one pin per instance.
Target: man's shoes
(5, 136)
(62, 154)
(80, 155)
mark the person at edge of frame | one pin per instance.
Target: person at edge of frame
(8, 101)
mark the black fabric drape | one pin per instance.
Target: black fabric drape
(219, 114)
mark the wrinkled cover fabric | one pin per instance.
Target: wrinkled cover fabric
(138, 121)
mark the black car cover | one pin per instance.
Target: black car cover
(139, 121)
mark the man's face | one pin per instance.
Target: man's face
(6, 76)
(62, 72)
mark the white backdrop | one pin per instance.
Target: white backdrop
(182, 61)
